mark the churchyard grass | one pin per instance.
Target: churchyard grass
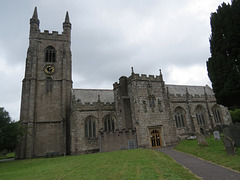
(9, 155)
(215, 152)
(125, 164)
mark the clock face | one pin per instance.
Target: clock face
(49, 69)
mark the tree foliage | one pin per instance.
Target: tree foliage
(9, 131)
(224, 64)
(235, 115)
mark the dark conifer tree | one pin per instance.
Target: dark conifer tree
(224, 64)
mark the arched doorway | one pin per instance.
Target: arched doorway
(155, 138)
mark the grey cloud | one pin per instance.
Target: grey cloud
(108, 38)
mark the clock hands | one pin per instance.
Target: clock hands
(49, 69)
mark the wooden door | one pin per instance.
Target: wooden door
(155, 138)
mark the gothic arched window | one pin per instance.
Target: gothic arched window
(200, 114)
(90, 127)
(108, 123)
(50, 54)
(180, 117)
(216, 114)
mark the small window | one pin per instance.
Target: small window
(90, 127)
(144, 106)
(109, 123)
(50, 54)
(151, 101)
(49, 84)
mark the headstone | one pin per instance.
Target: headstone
(201, 139)
(233, 131)
(229, 145)
(131, 145)
(216, 135)
(191, 137)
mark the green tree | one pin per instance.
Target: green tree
(9, 131)
(235, 115)
(224, 64)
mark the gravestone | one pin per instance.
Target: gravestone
(229, 145)
(216, 135)
(201, 139)
(233, 131)
(131, 145)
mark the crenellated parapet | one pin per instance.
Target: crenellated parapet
(144, 77)
(35, 32)
(138, 77)
(54, 35)
(195, 96)
(77, 105)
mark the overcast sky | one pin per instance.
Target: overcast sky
(108, 38)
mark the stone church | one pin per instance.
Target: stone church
(140, 112)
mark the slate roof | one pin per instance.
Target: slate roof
(192, 90)
(91, 95)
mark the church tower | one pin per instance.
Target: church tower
(46, 91)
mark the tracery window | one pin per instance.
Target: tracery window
(200, 114)
(50, 54)
(90, 127)
(180, 117)
(109, 123)
(216, 114)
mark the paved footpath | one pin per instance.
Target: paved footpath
(201, 168)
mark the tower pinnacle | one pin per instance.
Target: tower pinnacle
(34, 22)
(34, 18)
(35, 14)
(67, 25)
(67, 21)
(67, 18)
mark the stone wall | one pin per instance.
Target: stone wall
(118, 140)
(80, 112)
(189, 103)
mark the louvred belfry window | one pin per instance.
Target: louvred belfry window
(50, 54)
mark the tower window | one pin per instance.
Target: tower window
(151, 101)
(50, 54)
(49, 84)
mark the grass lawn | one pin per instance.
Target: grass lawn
(214, 152)
(126, 164)
(9, 155)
